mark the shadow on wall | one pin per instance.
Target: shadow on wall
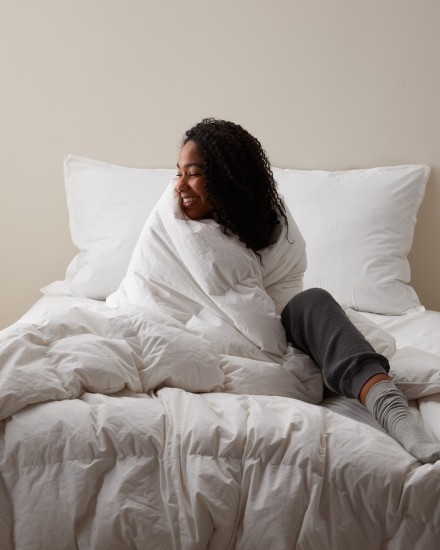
(425, 253)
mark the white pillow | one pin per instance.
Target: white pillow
(108, 206)
(358, 226)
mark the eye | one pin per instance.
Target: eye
(194, 174)
(178, 176)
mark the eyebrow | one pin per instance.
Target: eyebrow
(192, 164)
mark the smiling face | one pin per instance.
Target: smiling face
(190, 182)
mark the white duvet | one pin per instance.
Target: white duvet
(179, 418)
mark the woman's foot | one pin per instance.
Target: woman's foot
(390, 408)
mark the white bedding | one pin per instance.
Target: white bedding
(420, 330)
(175, 469)
(175, 422)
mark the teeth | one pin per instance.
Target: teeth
(189, 200)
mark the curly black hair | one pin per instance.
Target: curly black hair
(239, 181)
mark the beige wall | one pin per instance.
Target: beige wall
(323, 84)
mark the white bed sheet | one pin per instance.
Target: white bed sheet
(420, 330)
(180, 470)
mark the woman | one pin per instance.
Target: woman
(224, 174)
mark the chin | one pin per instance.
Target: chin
(194, 215)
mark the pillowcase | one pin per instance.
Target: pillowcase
(108, 206)
(358, 226)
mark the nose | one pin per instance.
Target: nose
(181, 183)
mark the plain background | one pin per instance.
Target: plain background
(323, 84)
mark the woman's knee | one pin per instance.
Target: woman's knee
(317, 293)
(310, 302)
(313, 296)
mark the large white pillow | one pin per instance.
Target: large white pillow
(358, 226)
(108, 206)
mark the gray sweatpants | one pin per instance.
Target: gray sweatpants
(317, 325)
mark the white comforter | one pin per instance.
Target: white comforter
(176, 420)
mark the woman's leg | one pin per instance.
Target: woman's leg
(316, 324)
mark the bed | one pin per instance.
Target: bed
(107, 445)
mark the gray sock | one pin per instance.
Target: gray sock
(390, 408)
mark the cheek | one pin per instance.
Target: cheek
(206, 201)
(201, 189)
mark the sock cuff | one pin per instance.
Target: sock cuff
(380, 389)
(354, 379)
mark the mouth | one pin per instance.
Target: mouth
(187, 202)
